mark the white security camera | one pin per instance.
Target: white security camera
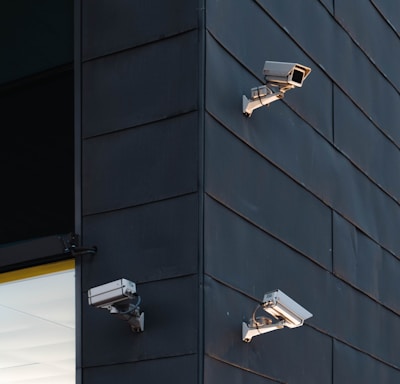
(284, 309)
(117, 297)
(279, 78)
(107, 295)
(288, 74)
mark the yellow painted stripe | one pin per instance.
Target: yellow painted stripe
(43, 269)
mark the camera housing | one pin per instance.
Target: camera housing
(276, 72)
(279, 78)
(117, 297)
(280, 306)
(109, 294)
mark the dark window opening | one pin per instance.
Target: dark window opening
(37, 119)
(37, 156)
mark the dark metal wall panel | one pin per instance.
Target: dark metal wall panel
(247, 258)
(380, 43)
(366, 146)
(122, 24)
(314, 163)
(328, 4)
(139, 186)
(217, 372)
(140, 85)
(343, 187)
(150, 242)
(351, 366)
(364, 264)
(341, 57)
(364, 324)
(140, 165)
(251, 261)
(390, 10)
(177, 370)
(298, 356)
(237, 28)
(363, 203)
(347, 313)
(171, 324)
(250, 185)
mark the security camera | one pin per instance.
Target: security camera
(117, 297)
(288, 74)
(280, 306)
(109, 294)
(279, 78)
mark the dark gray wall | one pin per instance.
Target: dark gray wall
(304, 195)
(206, 210)
(140, 202)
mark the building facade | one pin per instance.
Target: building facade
(206, 209)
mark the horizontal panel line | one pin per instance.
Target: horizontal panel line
(168, 278)
(167, 198)
(217, 358)
(143, 360)
(140, 125)
(140, 45)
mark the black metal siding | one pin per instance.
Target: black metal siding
(302, 196)
(140, 186)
